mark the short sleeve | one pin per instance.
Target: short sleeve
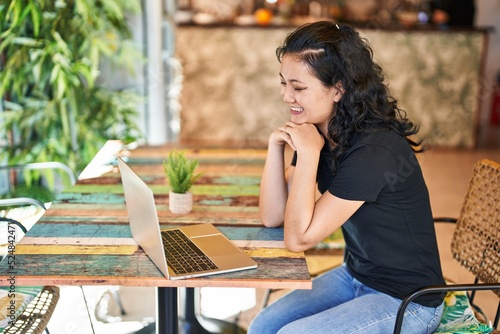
(362, 173)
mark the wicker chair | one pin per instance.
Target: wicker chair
(37, 314)
(476, 239)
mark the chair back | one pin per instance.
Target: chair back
(476, 240)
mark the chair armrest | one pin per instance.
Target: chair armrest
(45, 165)
(436, 289)
(17, 201)
(15, 222)
(20, 201)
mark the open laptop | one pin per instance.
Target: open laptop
(212, 251)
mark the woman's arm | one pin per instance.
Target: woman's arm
(307, 221)
(307, 225)
(274, 182)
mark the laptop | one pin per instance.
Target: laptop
(183, 252)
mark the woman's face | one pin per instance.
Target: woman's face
(309, 100)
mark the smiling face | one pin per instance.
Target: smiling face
(309, 100)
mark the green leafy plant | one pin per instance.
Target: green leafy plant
(51, 53)
(41, 193)
(180, 171)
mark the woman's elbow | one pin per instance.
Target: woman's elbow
(270, 218)
(296, 246)
(270, 222)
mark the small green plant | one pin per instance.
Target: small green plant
(180, 171)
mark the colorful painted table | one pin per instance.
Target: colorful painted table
(84, 238)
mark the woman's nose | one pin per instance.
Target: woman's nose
(287, 96)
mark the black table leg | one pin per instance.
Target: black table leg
(167, 311)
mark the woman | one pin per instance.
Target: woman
(351, 142)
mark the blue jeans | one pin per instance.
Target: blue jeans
(338, 303)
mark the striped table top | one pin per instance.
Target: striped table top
(84, 238)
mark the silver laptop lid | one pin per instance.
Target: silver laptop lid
(143, 217)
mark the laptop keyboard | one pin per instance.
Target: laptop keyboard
(183, 256)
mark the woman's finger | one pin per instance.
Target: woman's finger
(288, 139)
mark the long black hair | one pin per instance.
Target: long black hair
(338, 56)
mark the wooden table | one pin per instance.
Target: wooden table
(84, 238)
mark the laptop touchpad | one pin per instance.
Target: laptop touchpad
(215, 245)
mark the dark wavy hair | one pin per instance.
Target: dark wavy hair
(336, 54)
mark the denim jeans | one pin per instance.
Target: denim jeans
(338, 303)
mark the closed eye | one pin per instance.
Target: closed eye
(283, 84)
(297, 89)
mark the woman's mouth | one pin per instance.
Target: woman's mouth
(296, 110)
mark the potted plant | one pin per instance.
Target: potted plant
(180, 173)
(53, 103)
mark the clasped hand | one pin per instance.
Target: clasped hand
(300, 137)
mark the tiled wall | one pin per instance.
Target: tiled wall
(231, 83)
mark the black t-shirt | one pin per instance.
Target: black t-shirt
(390, 241)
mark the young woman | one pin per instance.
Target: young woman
(352, 143)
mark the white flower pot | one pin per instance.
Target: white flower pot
(180, 203)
